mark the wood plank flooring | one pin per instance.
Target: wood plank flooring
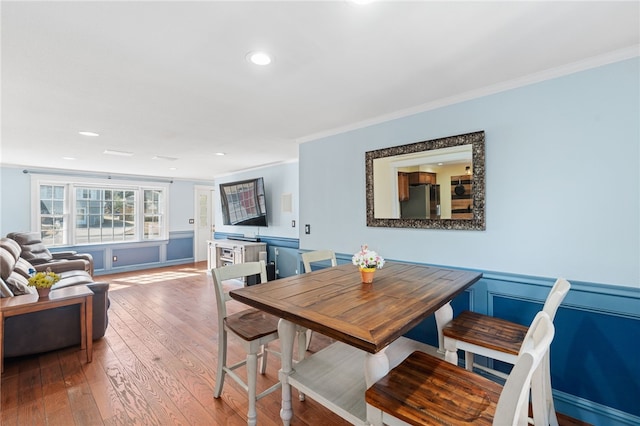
(155, 365)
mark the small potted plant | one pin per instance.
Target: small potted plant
(43, 281)
(367, 261)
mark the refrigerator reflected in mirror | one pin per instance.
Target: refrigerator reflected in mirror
(423, 202)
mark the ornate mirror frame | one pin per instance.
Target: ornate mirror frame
(477, 223)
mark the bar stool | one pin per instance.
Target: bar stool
(311, 257)
(252, 327)
(502, 340)
(425, 390)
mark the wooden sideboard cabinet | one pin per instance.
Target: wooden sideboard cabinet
(228, 252)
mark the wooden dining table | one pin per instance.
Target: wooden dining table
(366, 320)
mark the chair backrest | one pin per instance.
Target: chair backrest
(555, 297)
(33, 249)
(231, 272)
(317, 256)
(513, 404)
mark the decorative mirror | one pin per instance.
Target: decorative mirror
(435, 184)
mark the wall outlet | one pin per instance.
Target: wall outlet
(307, 229)
(191, 221)
(293, 223)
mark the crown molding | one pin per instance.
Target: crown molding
(549, 74)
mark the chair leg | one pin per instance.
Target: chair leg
(450, 350)
(538, 403)
(222, 362)
(551, 409)
(252, 376)
(303, 345)
(263, 358)
(544, 413)
(468, 360)
(374, 415)
(309, 335)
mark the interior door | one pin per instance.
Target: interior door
(204, 225)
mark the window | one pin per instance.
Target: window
(52, 214)
(153, 223)
(104, 215)
(100, 213)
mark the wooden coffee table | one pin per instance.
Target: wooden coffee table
(25, 304)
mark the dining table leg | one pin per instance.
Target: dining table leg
(376, 366)
(286, 331)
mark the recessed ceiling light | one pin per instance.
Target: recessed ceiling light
(163, 157)
(88, 134)
(259, 58)
(220, 154)
(120, 153)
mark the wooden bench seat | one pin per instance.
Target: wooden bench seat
(490, 332)
(252, 324)
(425, 390)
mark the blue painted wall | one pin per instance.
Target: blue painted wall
(562, 181)
(178, 249)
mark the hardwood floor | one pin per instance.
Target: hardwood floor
(155, 365)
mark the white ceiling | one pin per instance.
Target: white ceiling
(170, 79)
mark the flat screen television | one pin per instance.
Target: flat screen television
(243, 203)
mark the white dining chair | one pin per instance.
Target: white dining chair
(502, 340)
(317, 256)
(313, 257)
(426, 390)
(252, 327)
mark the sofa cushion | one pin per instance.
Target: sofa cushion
(19, 285)
(71, 280)
(32, 247)
(12, 246)
(7, 263)
(24, 268)
(5, 291)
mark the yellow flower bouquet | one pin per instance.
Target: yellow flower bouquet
(43, 279)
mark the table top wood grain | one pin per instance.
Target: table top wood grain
(334, 302)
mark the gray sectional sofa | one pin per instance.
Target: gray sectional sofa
(51, 329)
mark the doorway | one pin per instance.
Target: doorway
(204, 225)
